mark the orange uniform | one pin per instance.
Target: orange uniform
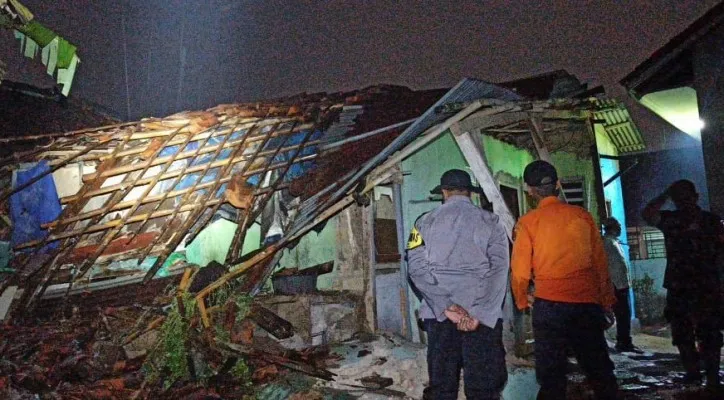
(559, 246)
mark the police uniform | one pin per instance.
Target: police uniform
(459, 254)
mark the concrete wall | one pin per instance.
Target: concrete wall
(654, 268)
(709, 85)
(655, 172)
(316, 248)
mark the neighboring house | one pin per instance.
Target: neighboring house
(334, 177)
(683, 83)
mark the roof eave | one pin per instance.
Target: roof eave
(672, 49)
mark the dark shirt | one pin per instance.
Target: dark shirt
(693, 240)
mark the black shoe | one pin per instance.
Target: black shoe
(712, 381)
(629, 348)
(690, 378)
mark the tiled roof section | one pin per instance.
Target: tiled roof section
(177, 171)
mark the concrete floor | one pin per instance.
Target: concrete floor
(649, 376)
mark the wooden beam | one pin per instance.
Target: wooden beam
(181, 156)
(536, 132)
(63, 162)
(474, 155)
(483, 120)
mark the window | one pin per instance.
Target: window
(510, 196)
(646, 243)
(385, 229)
(609, 212)
(573, 190)
(655, 246)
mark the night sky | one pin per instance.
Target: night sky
(248, 50)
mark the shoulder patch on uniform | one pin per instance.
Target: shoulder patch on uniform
(415, 239)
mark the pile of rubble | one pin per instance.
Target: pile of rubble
(151, 351)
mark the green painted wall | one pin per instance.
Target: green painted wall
(503, 157)
(213, 242)
(570, 166)
(315, 248)
(422, 172)
(424, 168)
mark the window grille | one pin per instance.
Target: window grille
(574, 191)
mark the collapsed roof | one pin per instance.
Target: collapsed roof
(145, 188)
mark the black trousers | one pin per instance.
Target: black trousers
(695, 318)
(480, 354)
(559, 326)
(622, 310)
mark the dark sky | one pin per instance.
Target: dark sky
(245, 50)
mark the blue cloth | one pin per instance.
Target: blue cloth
(480, 353)
(35, 205)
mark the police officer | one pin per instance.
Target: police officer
(458, 258)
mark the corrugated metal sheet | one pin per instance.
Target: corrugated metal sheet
(619, 126)
(467, 90)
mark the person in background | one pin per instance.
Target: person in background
(561, 247)
(618, 269)
(458, 260)
(694, 240)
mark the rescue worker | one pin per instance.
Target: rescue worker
(560, 247)
(458, 260)
(693, 239)
(618, 269)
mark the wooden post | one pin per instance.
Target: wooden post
(475, 157)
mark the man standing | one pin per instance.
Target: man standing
(618, 270)
(458, 261)
(560, 246)
(693, 239)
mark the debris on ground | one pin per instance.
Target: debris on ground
(368, 362)
(151, 352)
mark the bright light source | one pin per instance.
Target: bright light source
(701, 124)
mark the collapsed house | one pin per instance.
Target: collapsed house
(306, 181)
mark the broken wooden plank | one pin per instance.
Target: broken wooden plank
(270, 322)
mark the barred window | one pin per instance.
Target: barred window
(574, 192)
(634, 244)
(645, 243)
(655, 246)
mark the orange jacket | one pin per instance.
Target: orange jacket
(559, 246)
